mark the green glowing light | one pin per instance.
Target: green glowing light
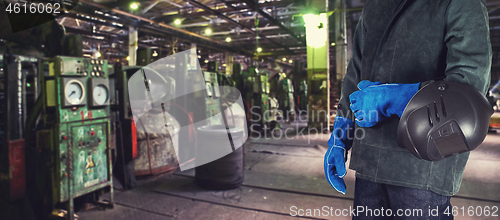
(311, 20)
(134, 6)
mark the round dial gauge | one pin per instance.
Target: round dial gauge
(100, 94)
(74, 92)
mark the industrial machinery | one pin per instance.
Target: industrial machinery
(21, 173)
(259, 103)
(225, 121)
(126, 132)
(76, 140)
(255, 88)
(285, 97)
(301, 94)
(153, 151)
(243, 82)
(300, 79)
(275, 113)
(213, 100)
(13, 107)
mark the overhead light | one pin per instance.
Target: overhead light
(259, 49)
(208, 31)
(315, 32)
(223, 64)
(228, 39)
(284, 59)
(333, 44)
(177, 21)
(134, 5)
(290, 61)
(199, 56)
(311, 20)
(98, 54)
(128, 58)
(155, 54)
(206, 61)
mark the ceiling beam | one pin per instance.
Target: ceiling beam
(252, 5)
(170, 15)
(220, 15)
(167, 29)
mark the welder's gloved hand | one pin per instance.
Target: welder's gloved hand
(339, 142)
(374, 101)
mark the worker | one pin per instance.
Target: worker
(400, 46)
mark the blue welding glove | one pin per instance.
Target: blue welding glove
(374, 101)
(339, 142)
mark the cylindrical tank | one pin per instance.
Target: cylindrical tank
(227, 171)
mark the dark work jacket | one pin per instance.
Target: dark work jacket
(410, 41)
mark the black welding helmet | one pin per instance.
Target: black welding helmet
(444, 119)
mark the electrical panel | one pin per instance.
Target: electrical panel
(76, 114)
(286, 97)
(259, 104)
(263, 96)
(213, 98)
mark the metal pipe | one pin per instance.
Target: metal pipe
(251, 4)
(180, 6)
(150, 6)
(172, 30)
(244, 31)
(204, 7)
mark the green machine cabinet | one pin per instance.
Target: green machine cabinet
(213, 98)
(302, 94)
(260, 100)
(285, 96)
(76, 141)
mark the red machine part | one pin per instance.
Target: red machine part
(17, 169)
(134, 140)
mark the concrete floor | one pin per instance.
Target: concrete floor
(279, 174)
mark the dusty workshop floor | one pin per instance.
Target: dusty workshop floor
(280, 174)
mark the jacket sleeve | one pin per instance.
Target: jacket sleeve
(467, 39)
(352, 77)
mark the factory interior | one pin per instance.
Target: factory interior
(189, 109)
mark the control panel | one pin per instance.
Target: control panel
(76, 114)
(212, 99)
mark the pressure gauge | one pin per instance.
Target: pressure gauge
(99, 92)
(74, 92)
